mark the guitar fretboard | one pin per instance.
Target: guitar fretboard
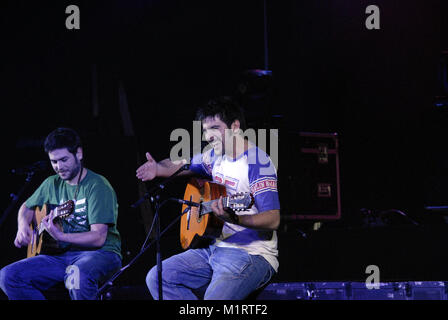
(206, 207)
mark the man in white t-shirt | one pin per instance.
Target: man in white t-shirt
(244, 257)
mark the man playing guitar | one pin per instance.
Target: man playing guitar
(87, 245)
(244, 257)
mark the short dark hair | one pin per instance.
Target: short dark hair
(226, 108)
(63, 138)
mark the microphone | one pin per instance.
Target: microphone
(37, 166)
(188, 203)
(185, 167)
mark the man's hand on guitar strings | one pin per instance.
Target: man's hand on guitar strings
(23, 237)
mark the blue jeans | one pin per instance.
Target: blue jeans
(214, 273)
(25, 279)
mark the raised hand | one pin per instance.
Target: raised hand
(148, 170)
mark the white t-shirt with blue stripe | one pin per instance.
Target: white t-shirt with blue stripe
(253, 172)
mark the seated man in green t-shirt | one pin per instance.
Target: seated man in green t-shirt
(81, 249)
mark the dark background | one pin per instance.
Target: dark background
(378, 89)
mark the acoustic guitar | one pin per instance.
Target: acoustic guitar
(197, 227)
(39, 239)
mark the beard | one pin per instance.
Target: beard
(71, 174)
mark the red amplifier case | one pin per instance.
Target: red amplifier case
(315, 184)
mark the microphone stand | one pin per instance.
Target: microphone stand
(154, 196)
(15, 197)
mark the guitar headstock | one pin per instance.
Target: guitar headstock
(241, 201)
(65, 209)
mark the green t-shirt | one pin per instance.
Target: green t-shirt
(96, 203)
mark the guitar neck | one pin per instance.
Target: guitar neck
(206, 207)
